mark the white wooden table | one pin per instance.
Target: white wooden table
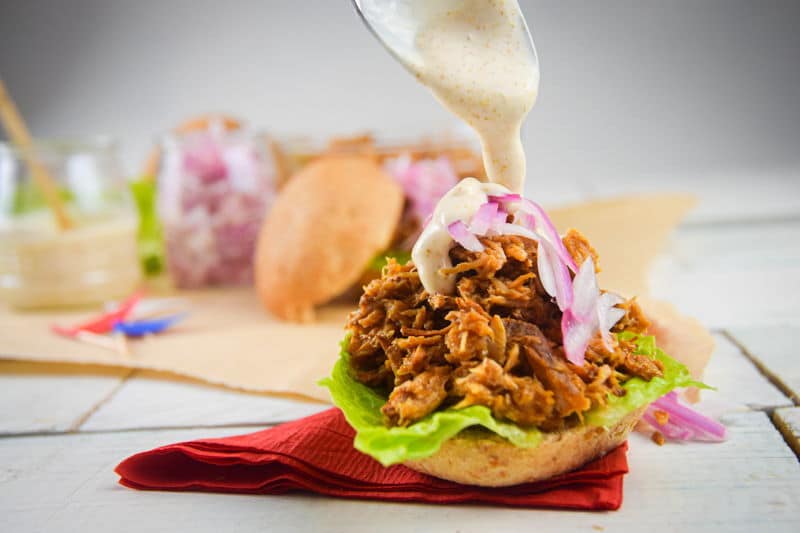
(63, 429)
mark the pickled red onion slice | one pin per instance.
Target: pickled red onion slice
(576, 334)
(608, 315)
(461, 234)
(581, 321)
(683, 423)
(547, 276)
(590, 312)
(534, 217)
(585, 291)
(484, 218)
(559, 284)
(506, 228)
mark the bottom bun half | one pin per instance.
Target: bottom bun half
(476, 457)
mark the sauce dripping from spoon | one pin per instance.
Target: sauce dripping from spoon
(478, 60)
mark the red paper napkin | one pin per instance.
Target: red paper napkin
(316, 454)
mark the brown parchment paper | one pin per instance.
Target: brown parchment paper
(628, 233)
(229, 340)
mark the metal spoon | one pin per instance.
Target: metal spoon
(395, 23)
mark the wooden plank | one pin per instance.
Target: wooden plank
(787, 421)
(733, 275)
(708, 485)
(774, 348)
(748, 483)
(51, 397)
(151, 400)
(739, 383)
(43, 477)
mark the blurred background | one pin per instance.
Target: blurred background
(635, 95)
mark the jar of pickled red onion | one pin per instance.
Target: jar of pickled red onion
(214, 188)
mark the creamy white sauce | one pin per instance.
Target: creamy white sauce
(431, 252)
(42, 266)
(476, 58)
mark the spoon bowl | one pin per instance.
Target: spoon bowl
(395, 24)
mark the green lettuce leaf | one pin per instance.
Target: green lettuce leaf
(639, 392)
(361, 406)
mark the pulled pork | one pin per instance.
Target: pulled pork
(495, 342)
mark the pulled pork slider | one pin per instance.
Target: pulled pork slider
(492, 357)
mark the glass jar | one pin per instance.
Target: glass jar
(214, 188)
(95, 259)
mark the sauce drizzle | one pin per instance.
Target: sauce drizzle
(476, 57)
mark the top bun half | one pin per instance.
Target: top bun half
(328, 222)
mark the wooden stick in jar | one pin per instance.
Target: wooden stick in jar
(20, 136)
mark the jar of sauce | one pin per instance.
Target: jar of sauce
(94, 260)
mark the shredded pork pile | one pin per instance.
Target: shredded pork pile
(495, 342)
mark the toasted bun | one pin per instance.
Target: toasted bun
(324, 227)
(478, 458)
